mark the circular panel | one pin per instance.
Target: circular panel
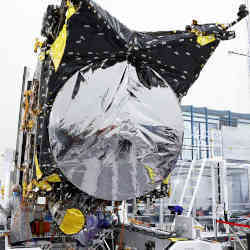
(73, 221)
(114, 136)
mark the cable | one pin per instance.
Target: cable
(237, 53)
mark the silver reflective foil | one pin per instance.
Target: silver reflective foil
(112, 135)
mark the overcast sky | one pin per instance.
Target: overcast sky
(222, 84)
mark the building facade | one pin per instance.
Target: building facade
(200, 127)
(199, 124)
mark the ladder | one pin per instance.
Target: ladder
(174, 185)
(192, 185)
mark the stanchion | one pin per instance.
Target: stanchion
(248, 241)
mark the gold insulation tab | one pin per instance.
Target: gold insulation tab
(204, 40)
(58, 47)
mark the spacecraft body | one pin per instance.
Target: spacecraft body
(114, 122)
(101, 119)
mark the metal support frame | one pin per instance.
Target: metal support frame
(219, 184)
(224, 185)
(192, 129)
(161, 219)
(20, 133)
(25, 75)
(101, 241)
(199, 142)
(214, 200)
(238, 239)
(196, 187)
(186, 182)
(173, 187)
(207, 142)
(229, 118)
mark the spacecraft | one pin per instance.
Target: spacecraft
(101, 119)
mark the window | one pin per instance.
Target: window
(225, 121)
(238, 189)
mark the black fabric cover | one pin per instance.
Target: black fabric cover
(94, 36)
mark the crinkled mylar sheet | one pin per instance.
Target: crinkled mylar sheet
(112, 135)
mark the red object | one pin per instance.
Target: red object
(37, 227)
(199, 213)
(232, 224)
(46, 227)
(33, 227)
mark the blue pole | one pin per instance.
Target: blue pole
(192, 129)
(200, 150)
(207, 142)
(229, 118)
